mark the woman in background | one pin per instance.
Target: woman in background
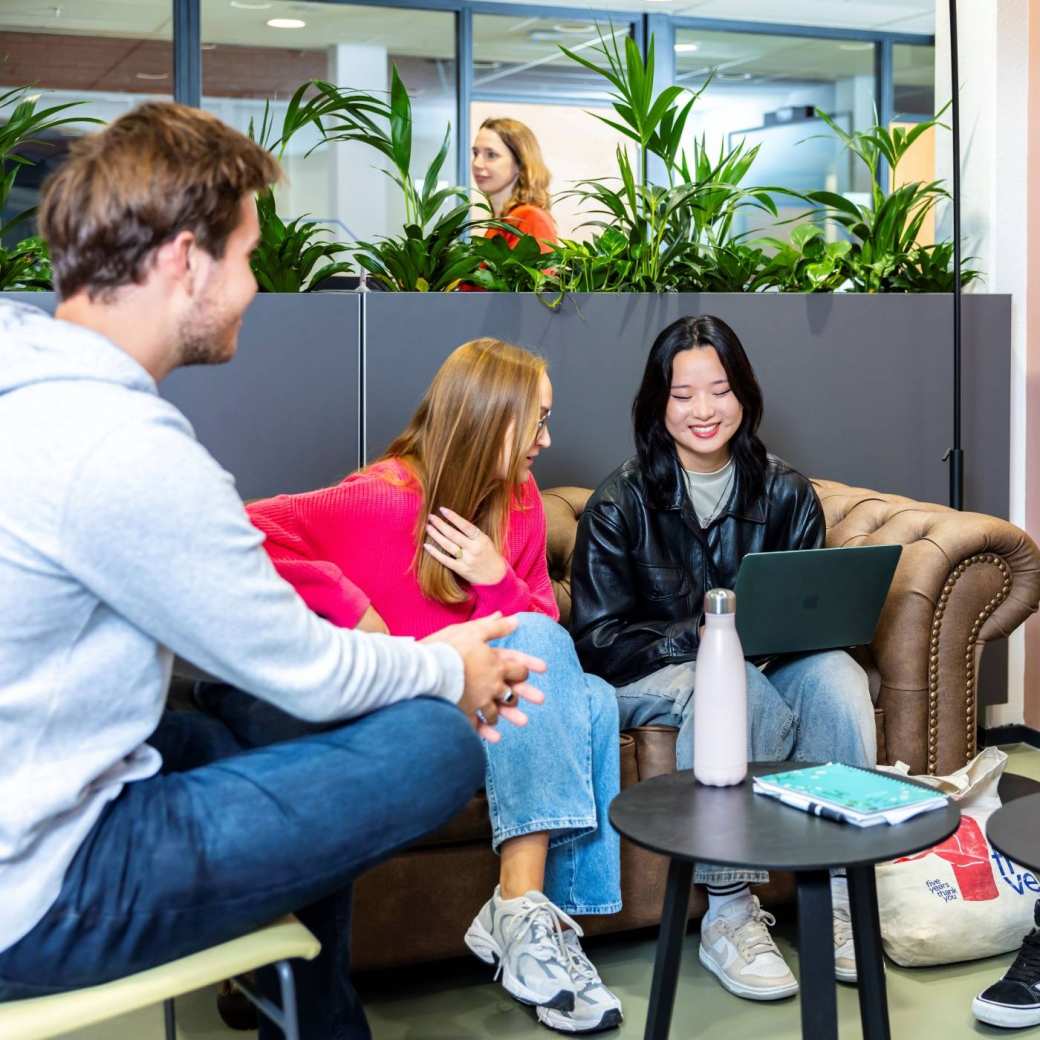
(508, 168)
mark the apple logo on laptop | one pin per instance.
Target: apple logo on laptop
(811, 602)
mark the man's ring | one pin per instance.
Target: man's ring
(480, 715)
(458, 552)
(508, 697)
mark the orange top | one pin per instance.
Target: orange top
(528, 220)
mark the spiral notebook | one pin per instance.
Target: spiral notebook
(849, 795)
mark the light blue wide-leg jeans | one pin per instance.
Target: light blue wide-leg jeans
(809, 708)
(560, 772)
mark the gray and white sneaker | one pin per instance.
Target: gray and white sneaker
(844, 946)
(524, 937)
(738, 950)
(595, 1007)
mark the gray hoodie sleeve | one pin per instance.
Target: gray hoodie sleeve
(154, 527)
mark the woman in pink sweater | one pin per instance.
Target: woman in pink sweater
(446, 527)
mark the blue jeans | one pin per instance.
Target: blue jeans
(224, 840)
(560, 772)
(809, 708)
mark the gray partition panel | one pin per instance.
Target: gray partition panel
(283, 415)
(857, 388)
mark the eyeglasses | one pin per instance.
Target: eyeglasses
(543, 422)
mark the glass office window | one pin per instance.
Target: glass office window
(256, 52)
(519, 71)
(914, 80)
(108, 54)
(765, 91)
(915, 100)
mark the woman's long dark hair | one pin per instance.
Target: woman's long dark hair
(654, 444)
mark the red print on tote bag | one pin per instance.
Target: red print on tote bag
(967, 852)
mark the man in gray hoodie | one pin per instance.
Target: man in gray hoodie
(130, 836)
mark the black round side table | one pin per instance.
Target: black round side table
(1013, 831)
(686, 821)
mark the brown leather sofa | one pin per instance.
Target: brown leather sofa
(963, 579)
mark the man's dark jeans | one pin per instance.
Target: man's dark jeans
(224, 840)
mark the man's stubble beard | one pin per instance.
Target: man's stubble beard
(207, 337)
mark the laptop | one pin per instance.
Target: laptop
(812, 599)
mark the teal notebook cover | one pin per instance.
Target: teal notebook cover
(856, 789)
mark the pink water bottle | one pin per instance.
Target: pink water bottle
(720, 727)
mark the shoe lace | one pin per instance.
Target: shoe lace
(582, 970)
(541, 925)
(752, 937)
(1027, 964)
(842, 925)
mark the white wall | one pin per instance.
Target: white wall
(994, 90)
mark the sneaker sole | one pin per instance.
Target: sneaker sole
(748, 992)
(554, 1020)
(483, 946)
(845, 974)
(1004, 1014)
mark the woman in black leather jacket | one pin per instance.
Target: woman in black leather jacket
(662, 529)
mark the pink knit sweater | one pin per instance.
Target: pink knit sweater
(345, 547)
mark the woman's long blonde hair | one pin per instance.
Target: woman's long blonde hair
(454, 445)
(532, 183)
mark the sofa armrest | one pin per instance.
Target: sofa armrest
(963, 580)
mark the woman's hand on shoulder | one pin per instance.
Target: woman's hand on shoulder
(464, 548)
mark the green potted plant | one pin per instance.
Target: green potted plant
(25, 265)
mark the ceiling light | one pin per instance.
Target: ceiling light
(286, 23)
(687, 48)
(152, 75)
(243, 5)
(573, 27)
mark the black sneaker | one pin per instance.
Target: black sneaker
(1014, 1001)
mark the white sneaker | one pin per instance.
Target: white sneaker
(524, 937)
(738, 950)
(844, 947)
(595, 1007)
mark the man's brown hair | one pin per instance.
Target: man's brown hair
(161, 169)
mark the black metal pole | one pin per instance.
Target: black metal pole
(956, 454)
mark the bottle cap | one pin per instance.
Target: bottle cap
(720, 601)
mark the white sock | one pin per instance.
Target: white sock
(722, 896)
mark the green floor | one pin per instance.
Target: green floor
(458, 1001)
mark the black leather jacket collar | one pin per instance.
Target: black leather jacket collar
(640, 573)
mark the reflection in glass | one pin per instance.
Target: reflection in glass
(110, 59)
(764, 90)
(246, 63)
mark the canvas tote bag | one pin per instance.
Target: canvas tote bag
(960, 899)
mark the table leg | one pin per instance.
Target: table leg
(870, 962)
(669, 950)
(816, 956)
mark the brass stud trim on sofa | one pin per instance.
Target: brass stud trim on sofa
(970, 727)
